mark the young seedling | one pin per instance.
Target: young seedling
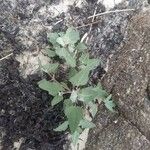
(68, 54)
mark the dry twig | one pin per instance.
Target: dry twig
(109, 12)
(6, 56)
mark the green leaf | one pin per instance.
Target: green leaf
(91, 93)
(50, 68)
(61, 41)
(110, 105)
(74, 115)
(99, 85)
(52, 37)
(73, 96)
(84, 57)
(101, 94)
(61, 34)
(62, 127)
(93, 109)
(64, 85)
(89, 63)
(86, 124)
(67, 103)
(92, 63)
(75, 137)
(62, 52)
(56, 100)
(72, 36)
(87, 94)
(71, 48)
(81, 47)
(50, 53)
(81, 78)
(52, 87)
(72, 72)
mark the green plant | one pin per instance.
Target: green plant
(67, 54)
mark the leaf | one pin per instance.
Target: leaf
(84, 57)
(72, 35)
(75, 137)
(61, 34)
(52, 37)
(50, 53)
(72, 72)
(62, 127)
(61, 41)
(74, 115)
(56, 100)
(101, 94)
(86, 124)
(91, 93)
(73, 96)
(99, 85)
(81, 47)
(52, 87)
(62, 52)
(67, 103)
(71, 48)
(81, 78)
(87, 94)
(64, 85)
(92, 63)
(93, 109)
(109, 103)
(50, 68)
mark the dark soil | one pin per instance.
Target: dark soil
(26, 111)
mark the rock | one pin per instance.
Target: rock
(128, 79)
(120, 135)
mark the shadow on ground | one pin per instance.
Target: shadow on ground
(26, 115)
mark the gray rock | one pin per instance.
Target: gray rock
(119, 135)
(128, 79)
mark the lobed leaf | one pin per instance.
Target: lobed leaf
(62, 127)
(81, 47)
(63, 53)
(71, 48)
(110, 105)
(50, 53)
(52, 87)
(75, 137)
(86, 124)
(64, 85)
(50, 68)
(73, 96)
(52, 37)
(87, 94)
(61, 41)
(72, 36)
(67, 103)
(74, 115)
(93, 109)
(92, 63)
(83, 58)
(56, 100)
(81, 78)
(101, 94)
(72, 72)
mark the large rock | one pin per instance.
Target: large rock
(128, 79)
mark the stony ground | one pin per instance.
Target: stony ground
(26, 118)
(128, 80)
